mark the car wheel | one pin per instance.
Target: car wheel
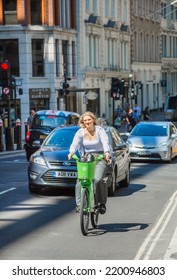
(125, 183)
(33, 189)
(112, 187)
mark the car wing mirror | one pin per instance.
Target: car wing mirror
(36, 143)
(120, 147)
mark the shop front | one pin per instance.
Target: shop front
(39, 98)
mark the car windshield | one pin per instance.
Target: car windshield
(150, 130)
(49, 120)
(60, 138)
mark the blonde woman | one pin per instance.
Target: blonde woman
(91, 138)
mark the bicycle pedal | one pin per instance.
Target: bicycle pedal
(96, 210)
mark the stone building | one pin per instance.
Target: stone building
(154, 51)
(86, 43)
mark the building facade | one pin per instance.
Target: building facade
(86, 43)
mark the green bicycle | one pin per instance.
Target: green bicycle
(89, 209)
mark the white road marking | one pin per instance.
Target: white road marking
(9, 190)
(156, 232)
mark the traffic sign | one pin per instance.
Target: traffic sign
(6, 90)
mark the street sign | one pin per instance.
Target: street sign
(6, 90)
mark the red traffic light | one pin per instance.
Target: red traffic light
(5, 66)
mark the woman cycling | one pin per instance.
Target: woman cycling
(91, 138)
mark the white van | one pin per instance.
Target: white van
(170, 108)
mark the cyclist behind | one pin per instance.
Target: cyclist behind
(91, 138)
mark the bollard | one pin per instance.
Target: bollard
(19, 138)
(9, 136)
(1, 136)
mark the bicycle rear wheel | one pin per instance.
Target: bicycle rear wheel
(94, 218)
(84, 212)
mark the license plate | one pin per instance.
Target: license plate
(68, 174)
(42, 136)
(143, 152)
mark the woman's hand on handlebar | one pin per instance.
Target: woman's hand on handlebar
(70, 156)
(108, 157)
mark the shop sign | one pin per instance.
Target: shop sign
(91, 95)
(39, 93)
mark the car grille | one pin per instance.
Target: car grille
(49, 178)
(145, 147)
(155, 156)
(61, 163)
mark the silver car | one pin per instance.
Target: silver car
(153, 141)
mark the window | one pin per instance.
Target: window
(124, 55)
(9, 51)
(93, 51)
(64, 57)
(91, 6)
(73, 59)
(36, 12)
(65, 16)
(38, 57)
(10, 11)
(164, 10)
(164, 45)
(110, 8)
(110, 57)
(57, 57)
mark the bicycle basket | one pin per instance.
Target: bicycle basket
(86, 169)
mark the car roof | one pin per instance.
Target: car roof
(56, 113)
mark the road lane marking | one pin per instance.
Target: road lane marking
(9, 190)
(156, 232)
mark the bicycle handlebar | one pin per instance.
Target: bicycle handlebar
(97, 158)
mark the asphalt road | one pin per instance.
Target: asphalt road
(140, 221)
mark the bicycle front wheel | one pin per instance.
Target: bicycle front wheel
(84, 212)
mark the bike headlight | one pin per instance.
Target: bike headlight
(38, 159)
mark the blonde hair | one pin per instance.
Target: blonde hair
(91, 115)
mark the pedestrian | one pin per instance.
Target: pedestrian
(117, 121)
(119, 111)
(137, 111)
(103, 120)
(91, 138)
(30, 119)
(130, 119)
(146, 114)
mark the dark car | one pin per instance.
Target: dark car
(43, 123)
(49, 166)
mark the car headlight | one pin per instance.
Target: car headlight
(38, 160)
(162, 145)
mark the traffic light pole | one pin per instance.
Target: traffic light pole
(9, 136)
